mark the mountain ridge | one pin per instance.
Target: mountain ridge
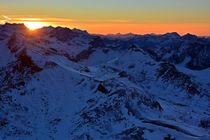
(59, 83)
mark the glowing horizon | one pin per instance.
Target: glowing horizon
(33, 25)
(111, 17)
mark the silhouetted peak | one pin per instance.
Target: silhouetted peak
(65, 34)
(79, 31)
(15, 26)
(189, 36)
(62, 34)
(172, 34)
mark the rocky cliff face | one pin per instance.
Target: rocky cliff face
(58, 83)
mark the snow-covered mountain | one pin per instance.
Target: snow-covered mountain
(63, 84)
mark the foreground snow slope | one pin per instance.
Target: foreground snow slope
(57, 83)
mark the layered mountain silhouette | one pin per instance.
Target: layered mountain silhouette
(61, 83)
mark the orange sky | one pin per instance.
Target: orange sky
(198, 29)
(113, 16)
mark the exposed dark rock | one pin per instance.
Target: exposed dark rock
(97, 42)
(158, 106)
(169, 73)
(84, 55)
(176, 58)
(24, 61)
(3, 122)
(85, 69)
(15, 75)
(169, 137)
(55, 121)
(135, 48)
(83, 137)
(123, 74)
(153, 54)
(13, 43)
(105, 50)
(62, 34)
(200, 56)
(102, 89)
(205, 124)
(131, 66)
(135, 133)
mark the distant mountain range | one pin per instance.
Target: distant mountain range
(66, 84)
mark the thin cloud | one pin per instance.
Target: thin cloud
(2, 21)
(6, 17)
(22, 19)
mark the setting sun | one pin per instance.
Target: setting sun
(34, 25)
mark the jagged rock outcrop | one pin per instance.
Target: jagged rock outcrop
(169, 73)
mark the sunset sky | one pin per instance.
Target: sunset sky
(113, 16)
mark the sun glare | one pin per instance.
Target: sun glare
(34, 25)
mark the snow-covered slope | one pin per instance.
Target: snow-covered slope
(58, 83)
